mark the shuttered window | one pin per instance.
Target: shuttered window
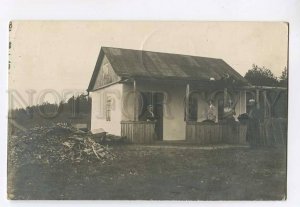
(108, 109)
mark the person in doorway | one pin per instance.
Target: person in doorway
(211, 113)
(149, 114)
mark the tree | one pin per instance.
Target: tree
(283, 79)
(261, 76)
(82, 104)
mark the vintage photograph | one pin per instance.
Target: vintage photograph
(147, 110)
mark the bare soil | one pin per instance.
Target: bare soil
(157, 173)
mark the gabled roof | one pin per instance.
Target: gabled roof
(128, 63)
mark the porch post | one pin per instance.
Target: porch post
(225, 97)
(135, 104)
(187, 102)
(257, 99)
(265, 104)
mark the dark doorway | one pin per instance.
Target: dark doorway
(157, 101)
(158, 107)
(220, 109)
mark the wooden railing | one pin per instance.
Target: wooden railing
(216, 133)
(140, 132)
(272, 131)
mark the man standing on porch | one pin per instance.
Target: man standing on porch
(253, 126)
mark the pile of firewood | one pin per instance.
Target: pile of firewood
(77, 148)
(54, 144)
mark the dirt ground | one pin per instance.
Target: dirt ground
(158, 173)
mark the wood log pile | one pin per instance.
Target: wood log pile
(77, 148)
(56, 143)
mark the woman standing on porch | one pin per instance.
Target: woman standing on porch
(211, 113)
(149, 114)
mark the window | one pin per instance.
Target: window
(192, 108)
(108, 109)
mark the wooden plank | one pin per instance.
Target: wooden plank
(195, 131)
(216, 133)
(149, 135)
(242, 134)
(150, 138)
(125, 132)
(144, 129)
(220, 134)
(213, 134)
(202, 132)
(208, 134)
(138, 132)
(191, 132)
(196, 135)
(145, 133)
(187, 132)
(224, 138)
(137, 136)
(129, 132)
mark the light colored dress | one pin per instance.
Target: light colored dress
(211, 113)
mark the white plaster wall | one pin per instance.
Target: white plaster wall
(98, 116)
(241, 105)
(128, 103)
(173, 120)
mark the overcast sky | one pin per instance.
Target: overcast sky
(62, 55)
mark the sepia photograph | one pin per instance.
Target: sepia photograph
(147, 110)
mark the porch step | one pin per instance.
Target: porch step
(187, 145)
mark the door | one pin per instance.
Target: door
(158, 108)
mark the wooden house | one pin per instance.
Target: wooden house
(179, 88)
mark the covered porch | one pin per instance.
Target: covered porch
(192, 114)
